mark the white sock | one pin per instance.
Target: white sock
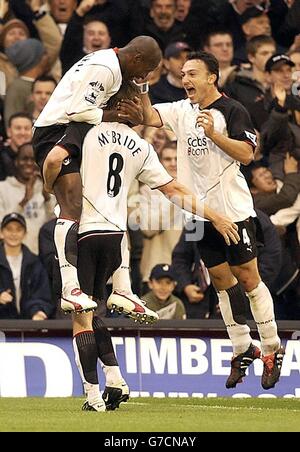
(92, 393)
(121, 277)
(112, 374)
(239, 334)
(65, 237)
(262, 308)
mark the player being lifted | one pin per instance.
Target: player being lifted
(215, 136)
(74, 107)
(113, 156)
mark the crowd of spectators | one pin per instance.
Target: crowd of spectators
(257, 44)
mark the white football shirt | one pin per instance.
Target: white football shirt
(202, 166)
(87, 86)
(113, 156)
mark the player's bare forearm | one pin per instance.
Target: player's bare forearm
(184, 198)
(151, 116)
(238, 150)
(178, 194)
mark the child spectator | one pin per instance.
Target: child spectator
(24, 286)
(160, 298)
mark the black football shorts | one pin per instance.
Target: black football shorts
(214, 250)
(99, 256)
(69, 136)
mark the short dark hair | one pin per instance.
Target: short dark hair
(256, 42)
(44, 78)
(28, 143)
(153, 1)
(129, 90)
(168, 145)
(19, 115)
(209, 60)
(88, 19)
(21, 147)
(248, 171)
(215, 32)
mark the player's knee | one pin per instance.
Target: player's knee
(72, 207)
(82, 323)
(55, 158)
(53, 161)
(223, 282)
(76, 202)
(248, 280)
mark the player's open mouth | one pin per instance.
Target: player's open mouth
(97, 46)
(190, 91)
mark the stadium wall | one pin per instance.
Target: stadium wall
(170, 359)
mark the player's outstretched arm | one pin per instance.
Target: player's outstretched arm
(184, 198)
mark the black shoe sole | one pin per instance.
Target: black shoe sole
(114, 405)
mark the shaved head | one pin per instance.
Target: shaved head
(148, 47)
(141, 56)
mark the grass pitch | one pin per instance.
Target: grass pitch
(152, 415)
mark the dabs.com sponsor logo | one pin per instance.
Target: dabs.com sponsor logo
(197, 147)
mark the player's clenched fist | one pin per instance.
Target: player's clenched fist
(206, 120)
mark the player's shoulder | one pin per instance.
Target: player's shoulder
(228, 105)
(105, 58)
(105, 53)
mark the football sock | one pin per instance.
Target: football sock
(121, 277)
(92, 393)
(233, 308)
(112, 374)
(65, 237)
(86, 356)
(106, 353)
(262, 308)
